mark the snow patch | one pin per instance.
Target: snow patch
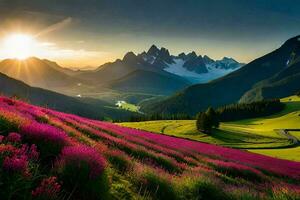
(178, 69)
(213, 72)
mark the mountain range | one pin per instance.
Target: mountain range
(189, 67)
(273, 75)
(156, 80)
(154, 72)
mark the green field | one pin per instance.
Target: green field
(128, 106)
(259, 135)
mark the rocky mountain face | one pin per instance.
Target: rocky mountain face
(180, 71)
(195, 68)
(274, 75)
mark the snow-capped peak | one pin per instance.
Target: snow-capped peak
(191, 66)
(213, 71)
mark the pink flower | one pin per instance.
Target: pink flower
(17, 161)
(48, 189)
(17, 164)
(44, 132)
(14, 138)
(78, 156)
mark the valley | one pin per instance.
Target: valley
(149, 100)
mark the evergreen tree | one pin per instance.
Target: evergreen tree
(213, 116)
(203, 123)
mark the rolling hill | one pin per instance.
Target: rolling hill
(149, 82)
(82, 106)
(38, 73)
(53, 154)
(264, 135)
(232, 87)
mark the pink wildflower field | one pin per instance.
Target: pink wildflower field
(47, 154)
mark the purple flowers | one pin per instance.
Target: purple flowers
(80, 157)
(72, 148)
(13, 137)
(18, 159)
(48, 189)
(16, 164)
(50, 140)
(43, 132)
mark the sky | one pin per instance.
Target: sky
(88, 33)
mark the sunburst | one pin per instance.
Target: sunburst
(18, 46)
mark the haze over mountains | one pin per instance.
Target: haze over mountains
(154, 72)
(92, 108)
(37, 72)
(149, 77)
(274, 75)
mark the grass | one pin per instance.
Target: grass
(224, 136)
(258, 135)
(288, 153)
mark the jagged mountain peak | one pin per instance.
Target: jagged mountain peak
(192, 55)
(129, 57)
(227, 58)
(193, 67)
(182, 54)
(208, 60)
(153, 50)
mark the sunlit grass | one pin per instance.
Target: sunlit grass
(258, 135)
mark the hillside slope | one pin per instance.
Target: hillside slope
(149, 82)
(84, 107)
(284, 83)
(228, 89)
(66, 155)
(38, 73)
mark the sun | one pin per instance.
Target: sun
(18, 46)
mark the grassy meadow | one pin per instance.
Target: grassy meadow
(259, 135)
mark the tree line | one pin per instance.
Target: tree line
(206, 121)
(249, 110)
(211, 118)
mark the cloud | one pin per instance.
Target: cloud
(55, 27)
(53, 51)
